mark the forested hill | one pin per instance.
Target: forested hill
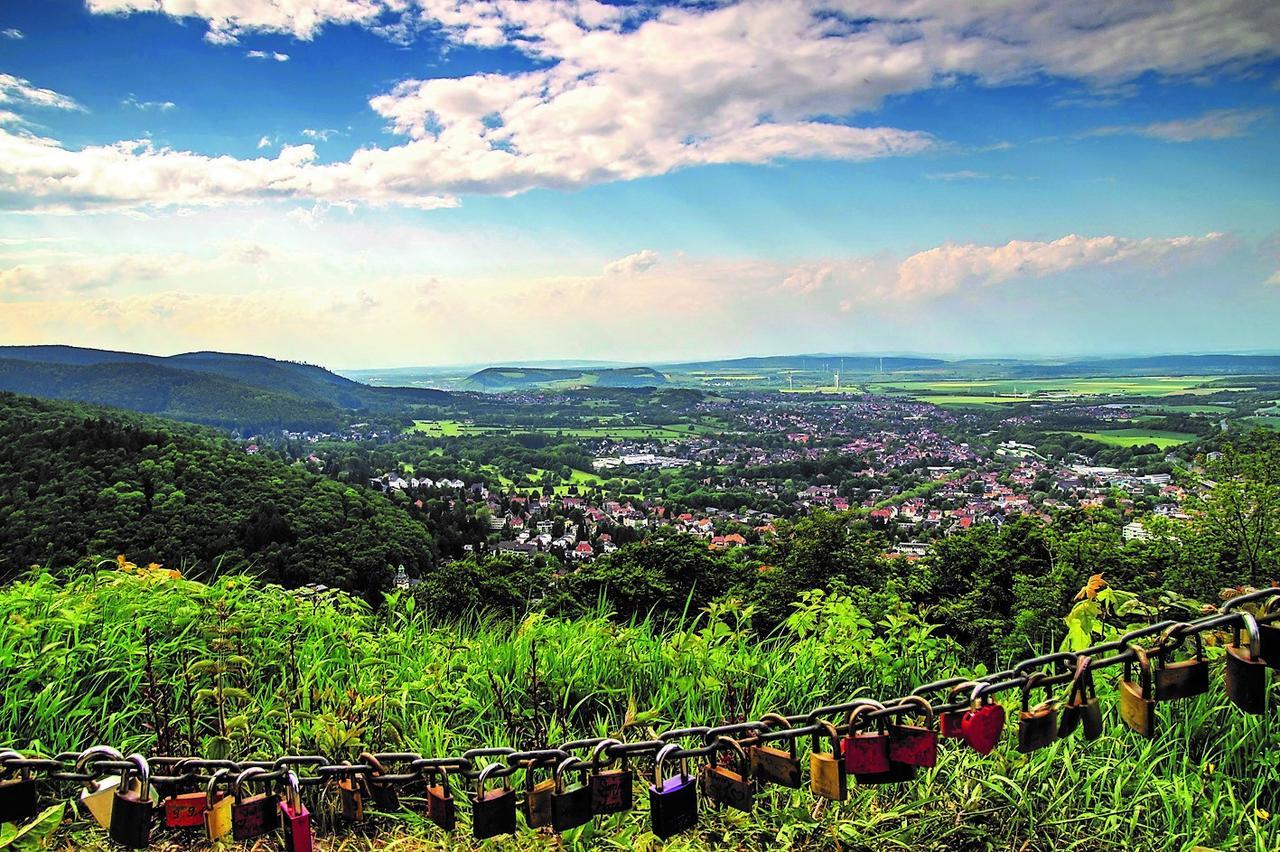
(78, 481)
(246, 392)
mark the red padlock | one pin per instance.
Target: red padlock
(295, 819)
(983, 723)
(866, 753)
(185, 810)
(949, 723)
(912, 744)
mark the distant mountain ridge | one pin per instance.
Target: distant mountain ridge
(248, 392)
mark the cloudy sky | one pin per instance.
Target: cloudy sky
(403, 182)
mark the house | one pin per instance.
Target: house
(1135, 531)
(584, 550)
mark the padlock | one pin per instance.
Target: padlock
(1268, 647)
(384, 795)
(950, 723)
(17, 795)
(351, 795)
(493, 812)
(570, 805)
(537, 799)
(865, 752)
(1037, 726)
(132, 809)
(983, 723)
(673, 802)
(912, 744)
(184, 810)
(1245, 674)
(217, 807)
(295, 819)
(1082, 710)
(1185, 679)
(827, 775)
(729, 786)
(773, 764)
(441, 808)
(99, 795)
(612, 791)
(252, 816)
(1137, 707)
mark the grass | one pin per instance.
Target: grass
(325, 674)
(603, 430)
(1088, 386)
(954, 400)
(1137, 437)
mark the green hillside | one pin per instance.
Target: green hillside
(77, 481)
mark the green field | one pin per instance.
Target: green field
(1137, 437)
(957, 400)
(1057, 388)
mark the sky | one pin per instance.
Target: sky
(375, 183)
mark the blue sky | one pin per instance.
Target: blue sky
(392, 182)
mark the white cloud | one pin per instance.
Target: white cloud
(963, 174)
(623, 92)
(1215, 124)
(263, 54)
(16, 90)
(147, 106)
(264, 142)
(949, 267)
(632, 264)
(13, 34)
(322, 135)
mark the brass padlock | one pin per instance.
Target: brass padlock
(1082, 710)
(613, 790)
(537, 799)
(773, 764)
(17, 795)
(132, 809)
(827, 775)
(217, 807)
(1245, 674)
(351, 795)
(493, 812)
(570, 805)
(1137, 707)
(99, 795)
(1037, 726)
(1185, 679)
(728, 786)
(673, 802)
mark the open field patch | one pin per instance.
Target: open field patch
(1137, 437)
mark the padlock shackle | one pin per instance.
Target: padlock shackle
(831, 733)
(212, 787)
(1248, 597)
(251, 772)
(901, 708)
(1250, 623)
(143, 770)
(484, 776)
(1143, 661)
(1173, 638)
(562, 767)
(865, 705)
(292, 791)
(602, 749)
(368, 758)
(1032, 681)
(726, 742)
(98, 752)
(663, 753)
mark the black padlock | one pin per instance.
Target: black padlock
(729, 786)
(773, 764)
(1245, 674)
(613, 790)
(493, 812)
(132, 808)
(570, 805)
(441, 808)
(1037, 726)
(252, 816)
(1183, 679)
(17, 795)
(673, 802)
(383, 794)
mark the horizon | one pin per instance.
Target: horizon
(449, 184)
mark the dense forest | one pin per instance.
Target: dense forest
(78, 481)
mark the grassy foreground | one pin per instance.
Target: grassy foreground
(127, 656)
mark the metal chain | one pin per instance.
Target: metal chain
(194, 772)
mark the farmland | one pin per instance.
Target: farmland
(603, 430)
(1137, 437)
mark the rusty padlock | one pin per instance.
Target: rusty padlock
(913, 744)
(184, 809)
(1186, 678)
(1137, 707)
(256, 815)
(726, 786)
(441, 808)
(1037, 726)
(612, 790)
(773, 764)
(1082, 710)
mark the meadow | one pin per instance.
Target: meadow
(1137, 437)
(146, 660)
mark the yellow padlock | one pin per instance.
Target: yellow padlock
(217, 808)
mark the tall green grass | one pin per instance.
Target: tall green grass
(305, 672)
